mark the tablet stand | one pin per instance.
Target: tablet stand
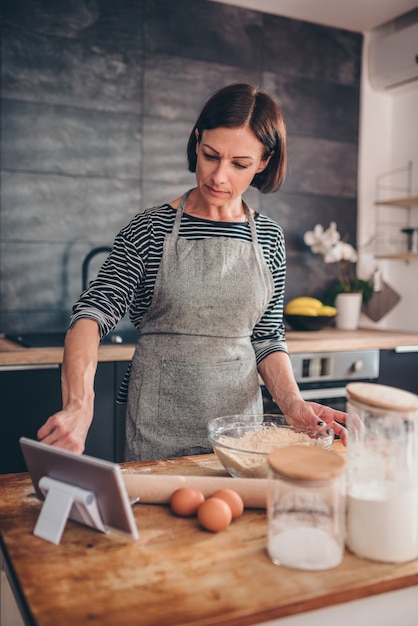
(63, 500)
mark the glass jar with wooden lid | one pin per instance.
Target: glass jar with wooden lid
(306, 508)
(382, 472)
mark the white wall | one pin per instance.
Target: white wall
(388, 140)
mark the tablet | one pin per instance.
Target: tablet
(88, 490)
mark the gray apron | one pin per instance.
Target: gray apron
(194, 359)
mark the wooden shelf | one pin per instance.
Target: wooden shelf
(406, 256)
(401, 202)
(398, 184)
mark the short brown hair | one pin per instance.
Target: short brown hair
(239, 105)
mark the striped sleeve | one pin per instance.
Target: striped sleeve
(115, 289)
(269, 334)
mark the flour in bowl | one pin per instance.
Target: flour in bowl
(255, 446)
(262, 440)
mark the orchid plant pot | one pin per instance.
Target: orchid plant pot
(348, 305)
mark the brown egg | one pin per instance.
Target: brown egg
(214, 514)
(233, 499)
(185, 501)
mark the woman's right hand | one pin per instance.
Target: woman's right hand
(67, 429)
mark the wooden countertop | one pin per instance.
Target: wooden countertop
(13, 354)
(328, 340)
(334, 340)
(176, 573)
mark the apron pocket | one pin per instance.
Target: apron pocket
(193, 393)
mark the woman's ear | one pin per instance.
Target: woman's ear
(196, 134)
(264, 163)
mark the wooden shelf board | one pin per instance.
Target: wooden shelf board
(402, 202)
(402, 255)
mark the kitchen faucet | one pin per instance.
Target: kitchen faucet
(86, 263)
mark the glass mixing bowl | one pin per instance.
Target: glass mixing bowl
(242, 442)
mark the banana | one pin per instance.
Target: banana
(303, 306)
(303, 310)
(329, 311)
(305, 301)
(311, 307)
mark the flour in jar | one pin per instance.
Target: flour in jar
(305, 548)
(381, 525)
(261, 443)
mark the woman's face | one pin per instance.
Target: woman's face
(227, 161)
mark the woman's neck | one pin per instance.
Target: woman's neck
(196, 207)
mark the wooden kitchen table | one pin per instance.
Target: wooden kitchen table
(176, 573)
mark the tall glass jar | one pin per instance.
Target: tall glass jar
(306, 507)
(382, 469)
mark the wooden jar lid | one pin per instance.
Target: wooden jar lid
(306, 462)
(382, 397)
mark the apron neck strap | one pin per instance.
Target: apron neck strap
(179, 213)
(251, 222)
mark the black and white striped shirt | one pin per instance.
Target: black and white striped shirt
(126, 280)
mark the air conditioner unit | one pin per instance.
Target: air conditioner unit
(393, 55)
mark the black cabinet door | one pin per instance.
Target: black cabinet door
(107, 432)
(32, 394)
(399, 369)
(120, 412)
(29, 395)
(100, 440)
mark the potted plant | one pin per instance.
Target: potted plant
(334, 250)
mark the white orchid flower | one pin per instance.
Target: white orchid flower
(331, 235)
(321, 241)
(329, 244)
(348, 253)
(333, 255)
(313, 239)
(341, 252)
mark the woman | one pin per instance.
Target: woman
(203, 280)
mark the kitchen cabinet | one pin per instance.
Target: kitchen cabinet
(30, 387)
(119, 412)
(399, 368)
(31, 393)
(101, 437)
(11, 614)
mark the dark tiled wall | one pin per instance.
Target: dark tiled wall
(97, 101)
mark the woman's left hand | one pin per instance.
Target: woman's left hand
(277, 373)
(303, 414)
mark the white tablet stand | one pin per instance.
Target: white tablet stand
(60, 499)
(87, 490)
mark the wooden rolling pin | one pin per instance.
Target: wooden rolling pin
(157, 488)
